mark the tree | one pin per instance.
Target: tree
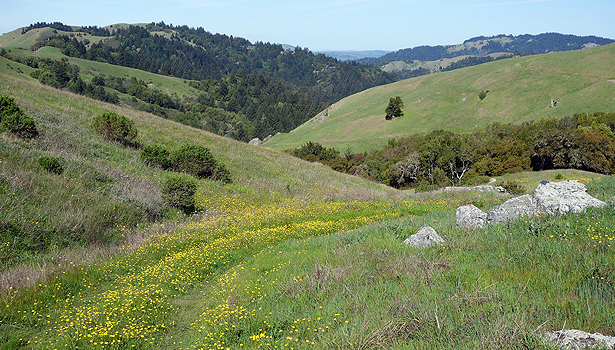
(395, 108)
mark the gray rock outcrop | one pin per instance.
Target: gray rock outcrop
(469, 216)
(424, 238)
(513, 208)
(555, 198)
(576, 339)
(255, 142)
(552, 198)
(483, 188)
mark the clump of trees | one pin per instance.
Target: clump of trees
(15, 120)
(584, 141)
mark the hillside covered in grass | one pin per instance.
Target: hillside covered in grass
(519, 89)
(289, 255)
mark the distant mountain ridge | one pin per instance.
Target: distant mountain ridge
(354, 55)
(483, 45)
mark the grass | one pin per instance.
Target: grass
(520, 89)
(332, 275)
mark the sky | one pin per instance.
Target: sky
(332, 24)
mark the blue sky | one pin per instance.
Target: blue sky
(332, 24)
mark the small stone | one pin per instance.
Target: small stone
(424, 238)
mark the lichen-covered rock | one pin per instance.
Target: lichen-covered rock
(255, 142)
(424, 238)
(576, 339)
(469, 216)
(556, 198)
(512, 209)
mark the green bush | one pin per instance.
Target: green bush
(15, 120)
(155, 156)
(198, 161)
(426, 188)
(115, 128)
(513, 187)
(178, 191)
(51, 164)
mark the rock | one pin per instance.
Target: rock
(469, 216)
(512, 209)
(555, 198)
(485, 188)
(576, 339)
(255, 142)
(268, 138)
(552, 198)
(424, 238)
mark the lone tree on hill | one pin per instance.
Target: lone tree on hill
(394, 109)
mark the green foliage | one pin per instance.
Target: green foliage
(15, 120)
(394, 108)
(178, 192)
(198, 161)
(315, 152)
(483, 94)
(51, 164)
(115, 128)
(156, 156)
(513, 187)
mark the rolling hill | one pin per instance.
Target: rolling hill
(520, 89)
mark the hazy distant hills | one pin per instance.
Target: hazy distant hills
(354, 55)
(482, 46)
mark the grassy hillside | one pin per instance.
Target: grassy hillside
(125, 191)
(290, 255)
(520, 89)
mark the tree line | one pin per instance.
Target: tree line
(584, 141)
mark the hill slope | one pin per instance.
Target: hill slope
(520, 89)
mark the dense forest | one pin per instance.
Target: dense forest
(584, 141)
(248, 90)
(541, 43)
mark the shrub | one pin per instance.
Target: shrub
(178, 191)
(51, 164)
(155, 156)
(483, 94)
(198, 161)
(115, 128)
(513, 187)
(15, 120)
(426, 188)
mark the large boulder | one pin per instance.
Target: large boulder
(255, 142)
(576, 339)
(555, 198)
(513, 208)
(469, 216)
(424, 238)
